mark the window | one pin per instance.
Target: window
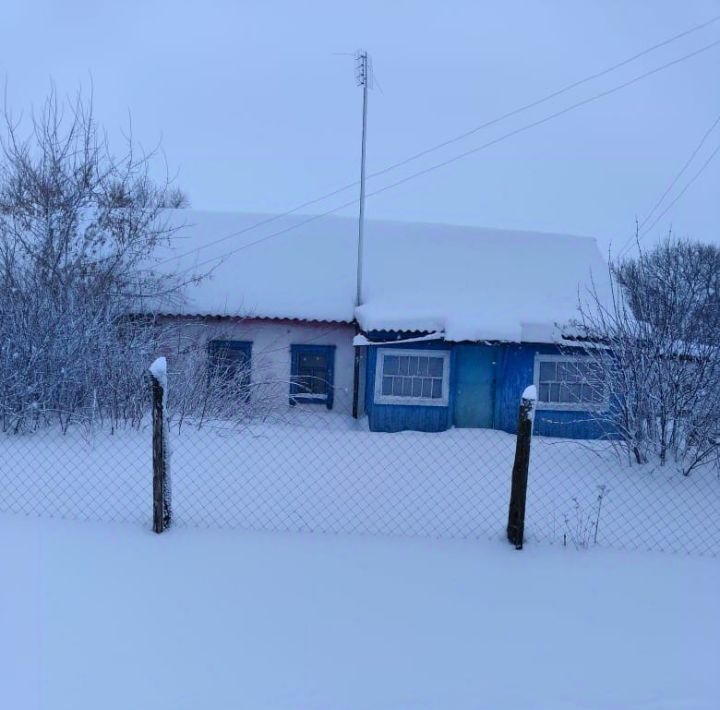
(412, 377)
(569, 383)
(313, 368)
(230, 361)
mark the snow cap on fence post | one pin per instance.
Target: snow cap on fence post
(159, 371)
(529, 395)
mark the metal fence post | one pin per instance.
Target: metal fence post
(161, 474)
(518, 492)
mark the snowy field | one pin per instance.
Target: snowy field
(110, 616)
(331, 476)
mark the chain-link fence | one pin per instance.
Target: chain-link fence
(84, 473)
(328, 474)
(585, 493)
(311, 470)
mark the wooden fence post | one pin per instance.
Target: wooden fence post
(518, 492)
(161, 472)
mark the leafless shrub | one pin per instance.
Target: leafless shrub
(78, 225)
(656, 342)
(216, 386)
(583, 524)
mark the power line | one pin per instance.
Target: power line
(541, 121)
(702, 169)
(444, 163)
(690, 182)
(682, 171)
(462, 136)
(544, 99)
(642, 232)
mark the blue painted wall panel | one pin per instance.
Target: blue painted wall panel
(401, 417)
(515, 371)
(509, 367)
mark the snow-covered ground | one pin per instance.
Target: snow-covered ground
(326, 474)
(110, 616)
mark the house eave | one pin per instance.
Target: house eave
(389, 337)
(218, 317)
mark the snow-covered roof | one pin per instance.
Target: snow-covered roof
(469, 283)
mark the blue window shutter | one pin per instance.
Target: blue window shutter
(331, 377)
(228, 353)
(233, 347)
(294, 373)
(300, 394)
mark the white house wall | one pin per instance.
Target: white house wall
(271, 341)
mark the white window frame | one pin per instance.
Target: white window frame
(566, 406)
(381, 398)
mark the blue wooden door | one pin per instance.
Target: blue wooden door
(474, 385)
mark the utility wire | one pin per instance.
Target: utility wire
(437, 166)
(701, 170)
(544, 99)
(472, 131)
(642, 232)
(685, 189)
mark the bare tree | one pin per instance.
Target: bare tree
(656, 342)
(78, 225)
(175, 198)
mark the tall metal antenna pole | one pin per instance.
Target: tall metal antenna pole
(363, 79)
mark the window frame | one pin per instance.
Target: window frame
(218, 344)
(297, 396)
(380, 398)
(566, 406)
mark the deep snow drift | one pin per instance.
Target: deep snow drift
(114, 617)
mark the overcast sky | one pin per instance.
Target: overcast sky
(257, 109)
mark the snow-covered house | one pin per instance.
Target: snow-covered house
(454, 321)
